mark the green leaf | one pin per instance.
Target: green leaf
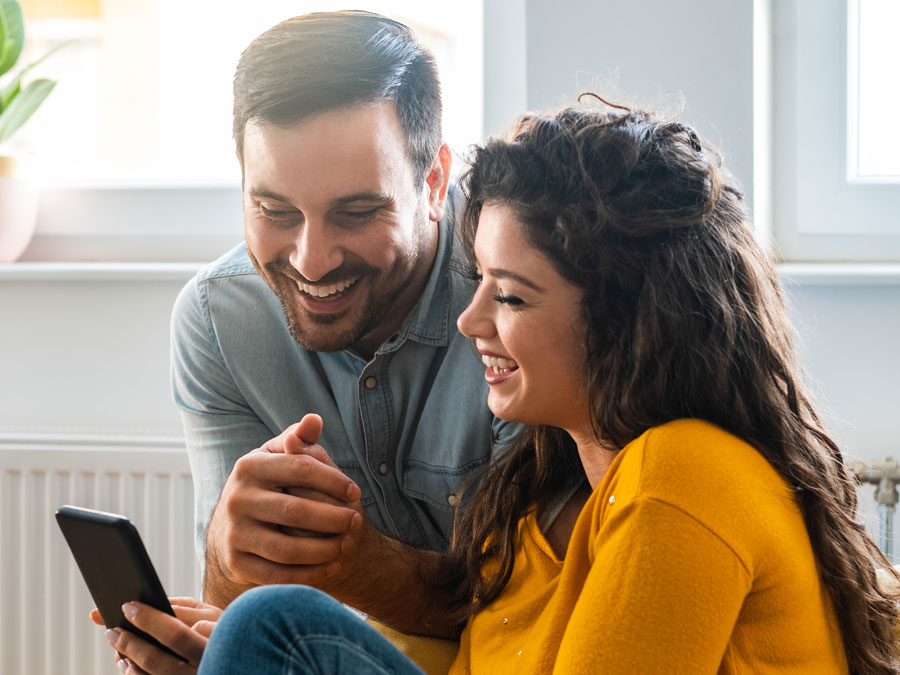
(12, 34)
(31, 65)
(9, 92)
(23, 106)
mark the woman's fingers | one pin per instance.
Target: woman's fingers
(169, 631)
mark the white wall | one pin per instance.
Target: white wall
(86, 352)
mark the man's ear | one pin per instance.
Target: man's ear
(437, 180)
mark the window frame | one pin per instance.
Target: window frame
(817, 213)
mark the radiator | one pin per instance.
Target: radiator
(44, 605)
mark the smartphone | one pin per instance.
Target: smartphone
(115, 565)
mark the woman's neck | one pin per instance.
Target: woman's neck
(595, 456)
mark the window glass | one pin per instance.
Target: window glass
(144, 95)
(873, 96)
(830, 204)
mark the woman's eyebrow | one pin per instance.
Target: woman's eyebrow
(499, 273)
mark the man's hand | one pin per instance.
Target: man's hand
(186, 635)
(286, 487)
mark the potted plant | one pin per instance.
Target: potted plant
(18, 101)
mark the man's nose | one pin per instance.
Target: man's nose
(316, 251)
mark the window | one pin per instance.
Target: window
(873, 58)
(134, 145)
(836, 172)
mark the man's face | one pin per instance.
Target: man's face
(336, 226)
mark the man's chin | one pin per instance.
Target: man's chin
(324, 335)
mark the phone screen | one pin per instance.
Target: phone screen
(115, 565)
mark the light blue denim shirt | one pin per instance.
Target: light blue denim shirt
(409, 426)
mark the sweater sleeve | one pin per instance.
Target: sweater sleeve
(662, 595)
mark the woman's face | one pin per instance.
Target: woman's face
(526, 322)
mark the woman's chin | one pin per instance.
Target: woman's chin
(506, 410)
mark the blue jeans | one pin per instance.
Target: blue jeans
(297, 629)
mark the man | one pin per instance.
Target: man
(342, 302)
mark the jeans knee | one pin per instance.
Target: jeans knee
(284, 609)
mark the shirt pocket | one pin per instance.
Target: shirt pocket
(438, 489)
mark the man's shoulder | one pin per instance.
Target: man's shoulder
(234, 263)
(226, 285)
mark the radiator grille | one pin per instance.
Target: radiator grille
(43, 623)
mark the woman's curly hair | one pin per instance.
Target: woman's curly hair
(685, 319)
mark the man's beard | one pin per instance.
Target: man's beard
(320, 332)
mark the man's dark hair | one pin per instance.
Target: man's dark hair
(327, 61)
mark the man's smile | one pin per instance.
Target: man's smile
(325, 292)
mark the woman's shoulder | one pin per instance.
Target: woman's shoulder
(685, 452)
(705, 472)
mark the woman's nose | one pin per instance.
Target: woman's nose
(475, 321)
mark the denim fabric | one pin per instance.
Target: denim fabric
(409, 425)
(288, 630)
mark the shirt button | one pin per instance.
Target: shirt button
(452, 500)
(383, 468)
(370, 383)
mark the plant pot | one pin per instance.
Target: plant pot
(18, 211)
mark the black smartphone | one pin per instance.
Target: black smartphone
(115, 565)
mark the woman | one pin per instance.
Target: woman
(675, 505)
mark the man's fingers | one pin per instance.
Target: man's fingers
(297, 436)
(309, 429)
(268, 508)
(285, 549)
(279, 470)
(314, 495)
(319, 453)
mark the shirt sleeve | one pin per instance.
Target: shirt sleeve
(219, 425)
(662, 595)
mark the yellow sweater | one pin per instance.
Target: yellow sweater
(690, 557)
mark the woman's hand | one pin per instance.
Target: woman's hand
(185, 634)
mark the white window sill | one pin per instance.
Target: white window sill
(99, 271)
(841, 274)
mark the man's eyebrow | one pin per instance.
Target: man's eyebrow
(268, 194)
(361, 197)
(506, 274)
(340, 201)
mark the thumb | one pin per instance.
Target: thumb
(307, 431)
